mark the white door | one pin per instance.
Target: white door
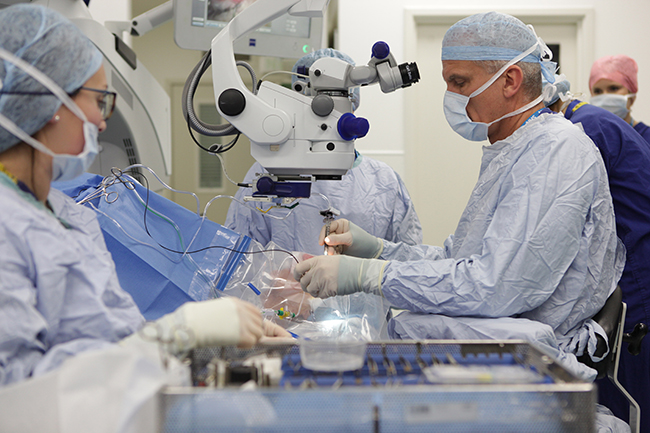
(442, 167)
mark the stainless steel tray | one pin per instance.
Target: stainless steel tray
(424, 386)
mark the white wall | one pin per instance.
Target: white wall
(620, 27)
(110, 10)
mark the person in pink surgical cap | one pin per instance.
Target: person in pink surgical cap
(613, 85)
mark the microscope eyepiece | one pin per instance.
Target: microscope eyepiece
(409, 73)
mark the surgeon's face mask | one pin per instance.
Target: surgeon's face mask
(613, 103)
(64, 166)
(455, 106)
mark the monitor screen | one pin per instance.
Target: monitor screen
(197, 22)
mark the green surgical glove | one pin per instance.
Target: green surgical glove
(354, 240)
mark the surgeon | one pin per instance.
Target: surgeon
(627, 158)
(59, 292)
(537, 239)
(370, 194)
(613, 84)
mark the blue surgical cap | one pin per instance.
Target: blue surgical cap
(489, 36)
(309, 59)
(51, 43)
(553, 91)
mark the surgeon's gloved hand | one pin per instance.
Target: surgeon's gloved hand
(353, 239)
(285, 292)
(326, 276)
(217, 322)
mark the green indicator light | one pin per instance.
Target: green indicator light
(305, 48)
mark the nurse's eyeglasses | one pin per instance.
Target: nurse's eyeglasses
(106, 104)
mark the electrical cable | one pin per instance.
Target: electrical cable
(204, 248)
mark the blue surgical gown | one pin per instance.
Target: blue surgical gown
(59, 293)
(371, 195)
(627, 160)
(644, 130)
(537, 239)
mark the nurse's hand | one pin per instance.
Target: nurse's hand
(353, 240)
(226, 321)
(274, 330)
(251, 323)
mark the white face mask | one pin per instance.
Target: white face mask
(613, 103)
(64, 166)
(455, 106)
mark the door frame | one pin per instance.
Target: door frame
(582, 19)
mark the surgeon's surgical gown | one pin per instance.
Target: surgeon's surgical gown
(59, 293)
(537, 239)
(371, 195)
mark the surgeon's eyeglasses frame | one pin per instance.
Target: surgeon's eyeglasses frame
(106, 104)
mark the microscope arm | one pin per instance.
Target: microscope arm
(261, 122)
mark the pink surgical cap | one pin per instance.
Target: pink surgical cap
(620, 68)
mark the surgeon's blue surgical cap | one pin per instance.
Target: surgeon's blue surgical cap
(309, 59)
(553, 91)
(489, 36)
(51, 43)
(495, 36)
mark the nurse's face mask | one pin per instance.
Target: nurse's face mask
(613, 103)
(455, 106)
(64, 166)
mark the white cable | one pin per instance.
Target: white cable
(223, 168)
(198, 203)
(245, 204)
(157, 248)
(185, 252)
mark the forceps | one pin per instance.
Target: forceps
(329, 215)
(108, 181)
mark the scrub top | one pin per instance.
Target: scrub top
(644, 130)
(371, 195)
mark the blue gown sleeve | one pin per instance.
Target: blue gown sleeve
(404, 252)
(405, 225)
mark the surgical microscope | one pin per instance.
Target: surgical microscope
(299, 135)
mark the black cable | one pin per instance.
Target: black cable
(225, 148)
(146, 207)
(188, 94)
(189, 128)
(209, 150)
